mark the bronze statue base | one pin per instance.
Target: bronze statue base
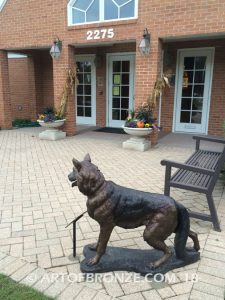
(135, 260)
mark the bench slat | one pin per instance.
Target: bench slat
(201, 158)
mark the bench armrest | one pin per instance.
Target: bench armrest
(174, 164)
(198, 138)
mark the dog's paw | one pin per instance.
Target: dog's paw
(92, 247)
(93, 261)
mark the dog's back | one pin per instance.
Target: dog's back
(127, 203)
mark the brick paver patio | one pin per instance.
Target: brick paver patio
(37, 202)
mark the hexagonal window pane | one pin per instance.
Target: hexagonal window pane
(93, 12)
(82, 4)
(127, 11)
(78, 16)
(111, 10)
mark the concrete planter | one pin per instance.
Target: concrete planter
(52, 133)
(137, 140)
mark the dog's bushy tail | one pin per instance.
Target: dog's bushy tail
(182, 231)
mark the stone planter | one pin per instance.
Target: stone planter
(137, 140)
(52, 133)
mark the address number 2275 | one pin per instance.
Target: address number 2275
(100, 34)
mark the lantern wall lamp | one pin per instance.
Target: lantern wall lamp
(56, 48)
(144, 46)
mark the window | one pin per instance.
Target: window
(89, 11)
(2, 3)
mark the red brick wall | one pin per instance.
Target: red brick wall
(5, 103)
(19, 88)
(22, 79)
(44, 81)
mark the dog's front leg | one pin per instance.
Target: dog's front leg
(105, 232)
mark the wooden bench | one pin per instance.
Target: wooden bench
(199, 174)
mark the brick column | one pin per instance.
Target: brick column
(147, 71)
(5, 104)
(60, 67)
(32, 88)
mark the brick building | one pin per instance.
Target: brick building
(102, 37)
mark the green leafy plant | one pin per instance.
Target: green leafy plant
(20, 123)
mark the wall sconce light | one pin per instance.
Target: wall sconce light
(144, 46)
(56, 49)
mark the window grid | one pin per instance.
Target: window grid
(192, 114)
(101, 18)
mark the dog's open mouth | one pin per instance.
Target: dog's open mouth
(74, 183)
(72, 178)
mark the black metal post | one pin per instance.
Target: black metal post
(74, 233)
(74, 240)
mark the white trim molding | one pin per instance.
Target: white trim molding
(2, 3)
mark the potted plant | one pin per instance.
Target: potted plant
(142, 122)
(52, 118)
(139, 124)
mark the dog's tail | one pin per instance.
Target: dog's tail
(182, 231)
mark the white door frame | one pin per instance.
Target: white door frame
(86, 120)
(209, 51)
(130, 55)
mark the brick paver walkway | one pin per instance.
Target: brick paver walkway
(37, 201)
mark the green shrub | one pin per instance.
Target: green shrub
(20, 123)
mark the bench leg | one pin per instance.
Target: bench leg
(167, 189)
(167, 181)
(213, 212)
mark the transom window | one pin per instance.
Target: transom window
(2, 3)
(89, 11)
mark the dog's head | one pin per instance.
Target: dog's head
(86, 176)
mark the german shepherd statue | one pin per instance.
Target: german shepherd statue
(113, 205)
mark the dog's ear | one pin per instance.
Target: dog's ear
(87, 157)
(76, 164)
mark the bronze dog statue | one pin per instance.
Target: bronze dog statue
(113, 205)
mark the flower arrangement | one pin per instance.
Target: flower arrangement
(141, 118)
(49, 115)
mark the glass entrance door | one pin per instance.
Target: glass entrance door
(86, 91)
(193, 90)
(120, 89)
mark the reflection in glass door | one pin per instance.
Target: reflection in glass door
(86, 91)
(193, 90)
(121, 88)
